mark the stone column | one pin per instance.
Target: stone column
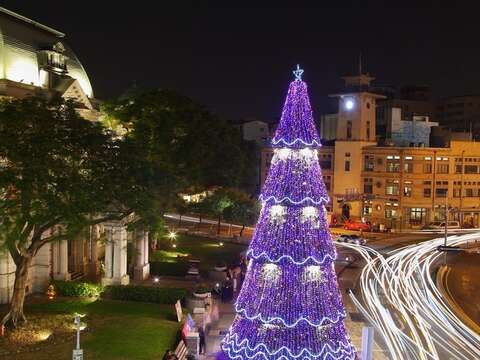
(142, 266)
(60, 260)
(116, 255)
(94, 235)
(7, 277)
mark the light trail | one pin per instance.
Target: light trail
(401, 300)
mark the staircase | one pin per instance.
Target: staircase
(76, 275)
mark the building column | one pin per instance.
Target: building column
(60, 260)
(142, 266)
(116, 255)
(7, 277)
(93, 256)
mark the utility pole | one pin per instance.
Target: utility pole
(446, 226)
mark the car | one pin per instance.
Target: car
(357, 225)
(438, 225)
(352, 239)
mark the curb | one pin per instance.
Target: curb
(442, 285)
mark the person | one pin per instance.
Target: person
(215, 312)
(168, 355)
(207, 318)
(201, 336)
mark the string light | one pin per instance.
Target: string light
(290, 306)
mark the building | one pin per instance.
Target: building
(460, 113)
(36, 60)
(255, 130)
(401, 185)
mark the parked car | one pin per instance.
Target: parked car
(438, 225)
(352, 239)
(357, 225)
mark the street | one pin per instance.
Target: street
(398, 294)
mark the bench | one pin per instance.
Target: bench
(181, 350)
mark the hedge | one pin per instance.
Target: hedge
(168, 268)
(77, 289)
(151, 294)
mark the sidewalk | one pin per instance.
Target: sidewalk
(218, 330)
(227, 314)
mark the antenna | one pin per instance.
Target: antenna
(360, 64)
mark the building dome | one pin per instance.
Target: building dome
(35, 54)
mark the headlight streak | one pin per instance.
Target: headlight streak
(400, 298)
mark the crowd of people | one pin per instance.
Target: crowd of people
(234, 277)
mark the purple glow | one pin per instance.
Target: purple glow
(290, 306)
(297, 128)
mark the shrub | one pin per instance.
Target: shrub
(168, 268)
(202, 289)
(145, 293)
(77, 289)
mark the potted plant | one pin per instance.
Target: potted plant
(220, 266)
(201, 291)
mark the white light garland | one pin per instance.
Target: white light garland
(277, 214)
(306, 155)
(313, 273)
(271, 272)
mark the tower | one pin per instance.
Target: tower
(355, 130)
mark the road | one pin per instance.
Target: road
(399, 297)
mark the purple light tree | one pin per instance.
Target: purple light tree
(290, 306)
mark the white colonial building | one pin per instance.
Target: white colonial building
(36, 60)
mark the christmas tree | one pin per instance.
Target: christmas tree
(290, 306)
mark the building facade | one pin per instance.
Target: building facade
(403, 185)
(35, 60)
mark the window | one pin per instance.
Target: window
(367, 208)
(408, 167)
(458, 169)
(369, 163)
(347, 165)
(326, 161)
(471, 192)
(347, 161)
(427, 192)
(441, 192)
(368, 186)
(442, 168)
(393, 164)
(407, 188)
(349, 129)
(391, 210)
(368, 130)
(417, 215)
(392, 187)
(328, 182)
(427, 168)
(471, 169)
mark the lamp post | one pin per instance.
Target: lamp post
(77, 352)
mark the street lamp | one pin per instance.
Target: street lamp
(77, 352)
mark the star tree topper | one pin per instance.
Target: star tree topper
(298, 73)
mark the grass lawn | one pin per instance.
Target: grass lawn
(208, 251)
(116, 330)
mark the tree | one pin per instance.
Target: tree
(58, 175)
(188, 147)
(290, 306)
(243, 209)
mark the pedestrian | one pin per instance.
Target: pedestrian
(215, 312)
(201, 336)
(207, 318)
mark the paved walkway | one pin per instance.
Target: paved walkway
(354, 323)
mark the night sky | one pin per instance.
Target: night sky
(238, 60)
